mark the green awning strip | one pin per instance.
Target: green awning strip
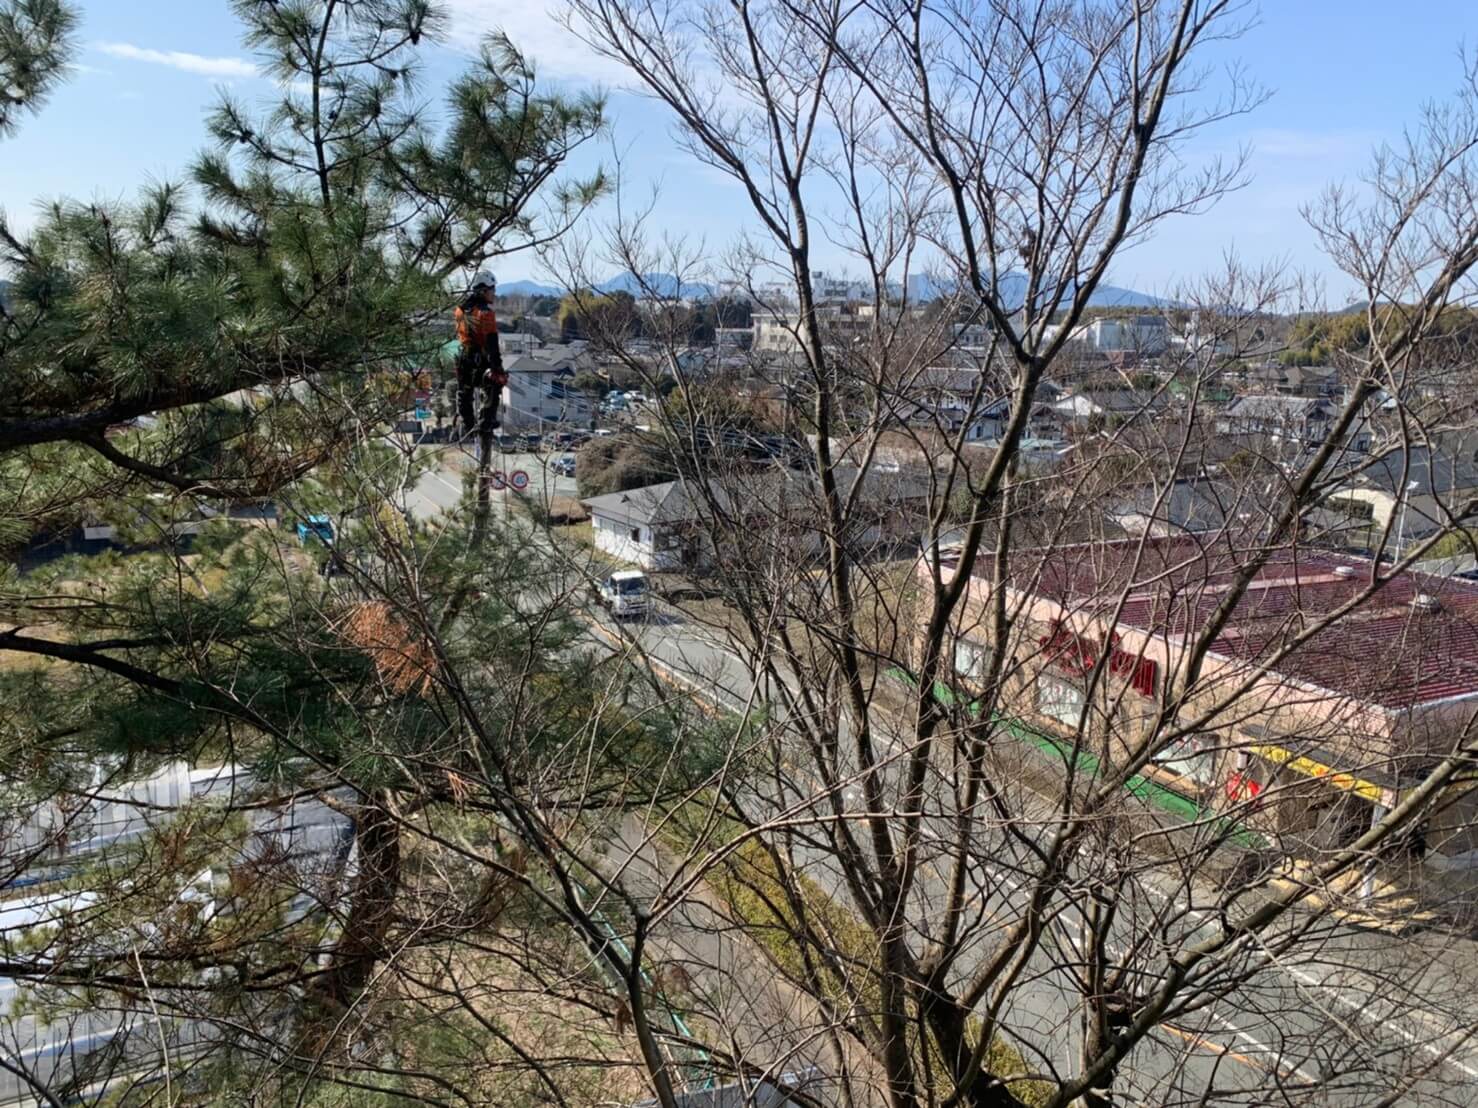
(1151, 792)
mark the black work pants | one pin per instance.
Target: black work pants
(473, 373)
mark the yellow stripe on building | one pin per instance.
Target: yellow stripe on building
(1310, 768)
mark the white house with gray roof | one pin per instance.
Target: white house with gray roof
(541, 389)
(644, 526)
(664, 526)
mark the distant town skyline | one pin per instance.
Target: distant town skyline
(1342, 78)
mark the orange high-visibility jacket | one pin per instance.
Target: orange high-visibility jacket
(477, 329)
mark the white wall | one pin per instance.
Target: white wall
(92, 826)
(613, 537)
(314, 836)
(526, 403)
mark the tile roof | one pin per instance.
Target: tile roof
(1188, 505)
(761, 493)
(1276, 407)
(1388, 651)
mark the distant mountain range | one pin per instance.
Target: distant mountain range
(528, 288)
(921, 287)
(660, 284)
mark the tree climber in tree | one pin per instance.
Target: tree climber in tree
(480, 360)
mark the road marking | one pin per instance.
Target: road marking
(1264, 1047)
(1014, 885)
(1359, 1008)
(1199, 1042)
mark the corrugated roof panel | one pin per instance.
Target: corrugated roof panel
(1383, 652)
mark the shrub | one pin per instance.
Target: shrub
(755, 892)
(615, 463)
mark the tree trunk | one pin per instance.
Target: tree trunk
(950, 1028)
(371, 904)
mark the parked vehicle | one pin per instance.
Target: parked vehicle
(316, 529)
(564, 465)
(508, 444)
(531, 443)
(625, 593)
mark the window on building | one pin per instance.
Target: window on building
(1193, 757)
(970, 658)
(636, 534)
(1058, 700)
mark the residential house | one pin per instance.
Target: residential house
(541, 389)
(666, 526)
(1272, 377)
(1188, 506)
(1413, 492)
(650, 527)
(1109, 406)
(1296, 421)
(949, 398)
(514, 343)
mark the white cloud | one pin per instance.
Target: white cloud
(533, 26)
(177, 59)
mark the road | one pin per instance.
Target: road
(440, 487)
(1302, 1018)
(1326, 1020)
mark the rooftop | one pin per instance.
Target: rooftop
(1433, 473)
(1188, 504)
(766, 493)
(1395, 650)
(1276, 407)
(1115, 400)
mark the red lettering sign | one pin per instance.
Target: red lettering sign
(1078, 654)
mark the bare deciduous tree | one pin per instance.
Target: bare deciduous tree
(984, 899)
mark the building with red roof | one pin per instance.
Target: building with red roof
(1323, 690)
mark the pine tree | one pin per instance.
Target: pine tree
(244, 338)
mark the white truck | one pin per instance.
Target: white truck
(625, 593)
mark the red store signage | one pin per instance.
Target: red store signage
(1078, 654)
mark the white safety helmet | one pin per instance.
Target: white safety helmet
(484, 278)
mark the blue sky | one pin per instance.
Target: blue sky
(1344, 74)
